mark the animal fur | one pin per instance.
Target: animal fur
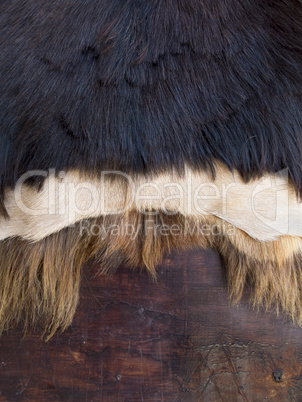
(39, 282)
(265, 208)
(197, 91)
(41, 258)
(145, 87)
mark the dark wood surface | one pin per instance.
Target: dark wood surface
(178, 339)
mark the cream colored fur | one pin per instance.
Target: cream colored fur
(265, 209)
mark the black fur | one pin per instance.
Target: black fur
(146, 85)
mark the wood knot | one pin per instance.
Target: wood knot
(277, 375)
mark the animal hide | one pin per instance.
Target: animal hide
(129, 129)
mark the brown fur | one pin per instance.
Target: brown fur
(39, 282)
(274, 283)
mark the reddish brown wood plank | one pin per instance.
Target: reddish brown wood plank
(174, 340)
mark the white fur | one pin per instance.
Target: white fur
(265, 209)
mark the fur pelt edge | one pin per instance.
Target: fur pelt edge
(39, 282)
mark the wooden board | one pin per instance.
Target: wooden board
(174, 340)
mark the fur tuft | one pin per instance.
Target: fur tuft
(39, 282)
(274, 284)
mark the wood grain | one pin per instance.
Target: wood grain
(177, 339)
